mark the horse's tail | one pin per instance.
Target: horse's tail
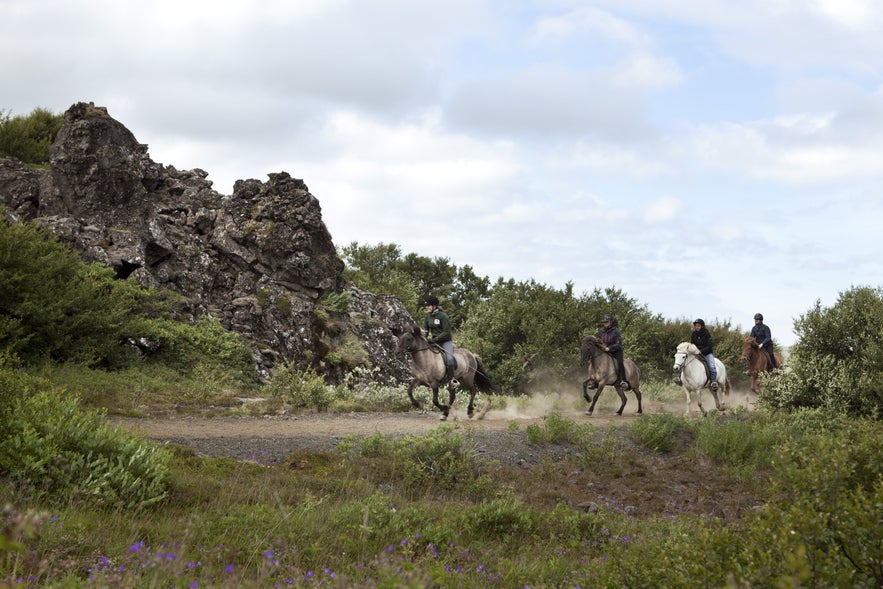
(482, 380)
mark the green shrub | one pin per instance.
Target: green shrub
(824, 512)
(49, 446)
(202, 345)
(29, 137)
(658, 432)
(556, 430)
(440, 462)
(502, 519)
(302, 389)
(736, 442)
(837, 362)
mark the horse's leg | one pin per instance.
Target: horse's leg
(717, 402)
(471, 408)
(586, 391)
(486, 408)
(414, 401)
(452, 391)
(594, 399)
(689, 401)
(637, 389)
(443, 408)
(622, 398)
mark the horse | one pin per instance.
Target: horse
(758, 361)
(691, 373)
(428, 368)
(602, 371)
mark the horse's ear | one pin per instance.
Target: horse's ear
(415, 330)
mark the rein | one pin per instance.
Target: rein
(689, 356)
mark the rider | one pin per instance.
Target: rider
(611, 337)
(701, 338)
(438, 331)
(763, 337)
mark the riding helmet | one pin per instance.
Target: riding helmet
(758, 316)
(607, 318)
(700, 322)
(431, 300)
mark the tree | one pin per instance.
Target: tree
(837, 362)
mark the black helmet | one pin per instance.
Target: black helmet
(431, 300)
(607, 318)
(758, 316)
(700, 322)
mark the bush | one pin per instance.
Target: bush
(29, 138)
(825, 511)
(302, 389)
(838, 359)
(658, 432)
(50, 447)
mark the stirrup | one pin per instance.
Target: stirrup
(624, 385)
(714, 386)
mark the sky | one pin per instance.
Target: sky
(707, 158)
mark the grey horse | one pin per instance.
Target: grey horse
(428, 368)
(603, 371)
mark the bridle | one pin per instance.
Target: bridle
(680, 366)
(592, 350)
(412, 349)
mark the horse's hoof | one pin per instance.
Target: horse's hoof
(589, 413)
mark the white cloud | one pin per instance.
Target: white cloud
(555, 141)
(663, 209)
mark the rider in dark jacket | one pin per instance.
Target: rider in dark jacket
(438, 331)
(763, 337)
(611, 337)
(701, 338)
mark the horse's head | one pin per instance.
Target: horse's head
(749, 346)
(682, 352)
(409, 340)
(590, 347)
(681, 356)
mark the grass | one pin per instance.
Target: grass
(426, 511)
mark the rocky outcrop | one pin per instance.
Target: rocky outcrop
(260, 260)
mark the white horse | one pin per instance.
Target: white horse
(691, 372)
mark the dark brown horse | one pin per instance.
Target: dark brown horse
(428, 368)
(603, 371)
(758, 361)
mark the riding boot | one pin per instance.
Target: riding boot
(449, 371)
(714, 386)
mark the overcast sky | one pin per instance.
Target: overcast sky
(709, 158)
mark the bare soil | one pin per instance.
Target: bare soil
(636, 479)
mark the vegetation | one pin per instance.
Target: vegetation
(28, 137)
(86, 504)
(56, 309)
(427, 511)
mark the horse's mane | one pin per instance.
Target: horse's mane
(687, 348)
(588, 342)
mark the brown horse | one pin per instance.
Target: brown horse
(758, 361)
(428, 368)
(603, 371)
